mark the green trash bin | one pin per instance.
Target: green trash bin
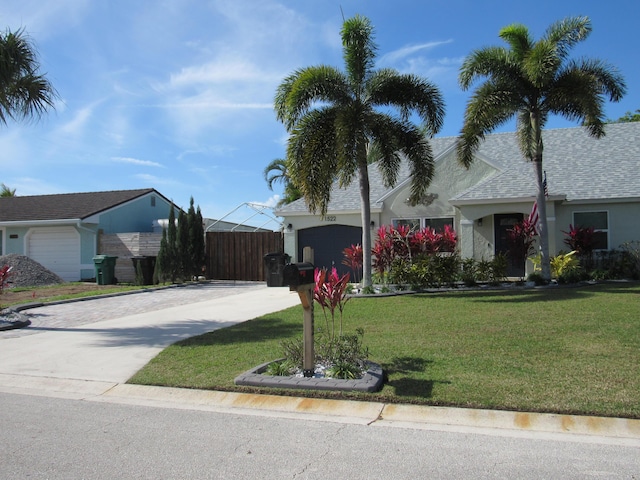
(105, 266)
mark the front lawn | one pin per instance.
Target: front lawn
(565, 350)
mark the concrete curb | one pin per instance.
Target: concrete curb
(377, 413)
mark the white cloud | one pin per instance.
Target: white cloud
(136, 161)
(271, 202)
(392, 58)
(80, 118)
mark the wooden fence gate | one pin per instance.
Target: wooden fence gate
(240, 255)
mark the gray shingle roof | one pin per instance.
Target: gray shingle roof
(577, 165)
(65, 206)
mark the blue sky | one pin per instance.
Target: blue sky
(177, 95)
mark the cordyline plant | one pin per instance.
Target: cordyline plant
(5, 273)
(580, 239)
(330, 292)
(402, 243)
(520, 238)
(353, 259)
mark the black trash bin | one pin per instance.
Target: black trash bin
(144, 267)
(274, 266)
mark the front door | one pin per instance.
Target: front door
(503, 223)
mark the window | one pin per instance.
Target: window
(437, 224)
(413, 223)
(600, 223)
(153, 201)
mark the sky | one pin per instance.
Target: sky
(177, 95)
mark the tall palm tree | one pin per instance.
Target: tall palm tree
(24, 93)
(334, 118)
(278, 172)
(532, 80)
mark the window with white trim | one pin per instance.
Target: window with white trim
(600, 223)
(412, 223)
(437, 224)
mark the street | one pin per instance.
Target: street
(56, 438)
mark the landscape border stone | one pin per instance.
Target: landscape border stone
(370, 382)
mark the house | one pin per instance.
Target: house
(591, 182)
(62, 232)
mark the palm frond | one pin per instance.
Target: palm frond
(409, 94)
(518, 38)
(24, 93)
(297, 94)
(312, 155)
(359, 49)
(490, 62)
(566, 33)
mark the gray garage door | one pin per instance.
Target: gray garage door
(328, 243)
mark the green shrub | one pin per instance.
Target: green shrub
(282, 368)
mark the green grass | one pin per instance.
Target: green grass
(564, 350)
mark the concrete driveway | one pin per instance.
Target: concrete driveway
(110, 339)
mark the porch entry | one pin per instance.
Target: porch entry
(503, 222)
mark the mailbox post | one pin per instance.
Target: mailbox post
(300, 278)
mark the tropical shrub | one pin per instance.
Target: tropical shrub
(520, 239)
(330, 291)
(395, 245)
(580, 239)
(5, 273)
(282, 368)
(353, 260)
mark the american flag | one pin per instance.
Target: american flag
(534, 216)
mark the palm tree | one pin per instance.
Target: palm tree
(24, 94)
(334, 119)
(6, 191)
(278, 172)
(532, 80)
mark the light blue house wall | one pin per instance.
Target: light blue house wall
(135, 215)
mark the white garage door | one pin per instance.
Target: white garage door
(58, 249)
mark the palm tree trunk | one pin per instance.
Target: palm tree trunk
(543, 228)
(365, 207)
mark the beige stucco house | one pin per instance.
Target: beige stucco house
(590, 182)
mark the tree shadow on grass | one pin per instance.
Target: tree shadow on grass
(257, 330)
(408, 386)
(544, 294)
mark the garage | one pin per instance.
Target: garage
(328, 244)
(56, 248)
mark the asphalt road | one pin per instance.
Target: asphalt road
(54, 438)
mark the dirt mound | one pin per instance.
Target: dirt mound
(27, 272)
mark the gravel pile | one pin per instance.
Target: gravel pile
(27, 272)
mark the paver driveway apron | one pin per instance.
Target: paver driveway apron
(109, 339)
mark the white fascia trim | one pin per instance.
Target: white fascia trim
(601, 201)
(329, 212)
(501, 201)
(41, 223)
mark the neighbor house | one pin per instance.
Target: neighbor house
(591, 182)
(62, 232)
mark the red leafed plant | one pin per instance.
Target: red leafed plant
(520, 238)
(5, 273)
(330, 292)
(353, 259)
(580, 239)
(391, 244)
